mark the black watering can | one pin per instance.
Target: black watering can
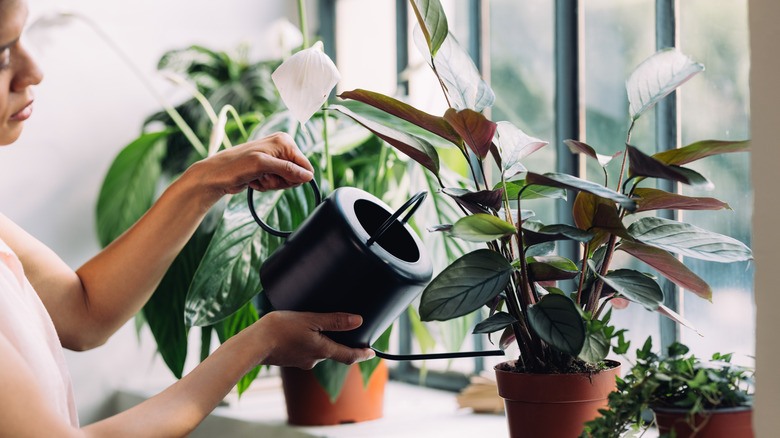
(351, 254)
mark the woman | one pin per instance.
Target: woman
(45, 305)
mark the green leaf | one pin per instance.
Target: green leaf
(535, 233)
(164, 312)
(461, 78)
(532, 192)
(557, 321)
(551, 268)
(689, 240)
(416, 148)
(496, 322)
(465, 285)
(656, 77)
(433, 22)
(481, 227)
(402, 110)
(564, 181)
(654, 199)
(596, 347)
(699, 150)
(230, 326)
(474, 128)
(421, 333)
(331, 375)
(634, 286)
(668, 266)
(367, 367)
(229, 273)
(128, 189)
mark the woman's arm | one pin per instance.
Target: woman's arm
(279, 338)
(89, 305)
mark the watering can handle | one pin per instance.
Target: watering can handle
(413, 202)
(251, 203)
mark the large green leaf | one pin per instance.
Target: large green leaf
(656, 77)
(416, 148)
(228, 275)
(433, 23)
(465, 285)
(689, 240)
(474, 128)
(458, 73)
(128, 189)
(701, 149)
(402, 110)
(164, 312)
(533, 192)
(496, 322)
(331, 375)
(596, 347)
(481, 227)
(551, 268)
(654, 199)
(668, 266)
(565, 181)
(228, 327)
(535, 233)
(634, 286)
(557, 321)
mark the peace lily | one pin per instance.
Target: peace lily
(284, 37)
(305, 80)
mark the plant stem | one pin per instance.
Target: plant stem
(302, 18)
(328, 159)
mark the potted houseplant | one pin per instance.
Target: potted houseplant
(690, 397)
(190, 296)
(560, 334)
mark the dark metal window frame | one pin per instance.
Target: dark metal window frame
(569, 117)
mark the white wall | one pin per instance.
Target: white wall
(765, 95)
(87, 108)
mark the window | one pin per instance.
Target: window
(558, 71)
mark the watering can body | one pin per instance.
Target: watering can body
(338, 260)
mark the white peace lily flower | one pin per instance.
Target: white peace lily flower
(305, 80)
(284, 37)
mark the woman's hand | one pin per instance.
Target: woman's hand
(271, 163)
(295, 338)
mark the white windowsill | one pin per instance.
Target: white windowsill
(409, 412)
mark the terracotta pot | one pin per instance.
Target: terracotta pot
(309, 405)
(720, 423)
(553, 405)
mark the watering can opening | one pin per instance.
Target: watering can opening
(396, 240)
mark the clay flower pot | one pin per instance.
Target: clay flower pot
(553, 405)
(720, 423)
(309, 405)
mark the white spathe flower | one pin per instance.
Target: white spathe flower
(284, 37)
(305, 80)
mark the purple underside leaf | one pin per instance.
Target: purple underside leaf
(434, 124)
(475, 129)
(669, 266)
(654, 199)
(416, 148)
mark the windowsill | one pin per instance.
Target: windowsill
(409, 411)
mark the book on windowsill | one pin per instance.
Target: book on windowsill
(481, 395)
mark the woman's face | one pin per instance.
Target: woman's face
(18, 72)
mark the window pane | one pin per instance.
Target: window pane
(714, 105)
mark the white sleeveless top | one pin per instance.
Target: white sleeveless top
(25, 322)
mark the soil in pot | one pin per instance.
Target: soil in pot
(721, 423)
(309, 405)
(553, 405)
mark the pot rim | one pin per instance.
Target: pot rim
(614, 363)
(673, 410)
